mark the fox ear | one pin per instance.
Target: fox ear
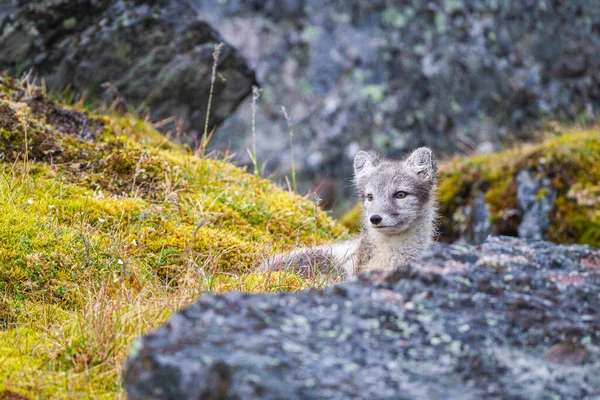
(364, 161)
(422, 162)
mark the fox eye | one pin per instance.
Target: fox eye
(401, 195)
(370, 197)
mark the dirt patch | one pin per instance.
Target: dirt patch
(33, 126)
(69, 122)
(6, 395)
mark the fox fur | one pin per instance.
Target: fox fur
(398, 219)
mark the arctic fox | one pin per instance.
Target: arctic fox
(398, 212)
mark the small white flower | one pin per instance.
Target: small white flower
(29, 201)
(120, 262)
(101, 220)
(51, 206)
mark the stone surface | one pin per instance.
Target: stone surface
(458, 76)
(535, 199)
(508, 319)
(479, 221)
(155, 55)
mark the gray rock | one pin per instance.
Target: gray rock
(507, 319)
(535, 199)
(392, 75)
(480, 226)
(157, 55)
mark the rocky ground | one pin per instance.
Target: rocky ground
(507, 319)
(457, 76)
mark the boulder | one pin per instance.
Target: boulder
(148, 55)
(458, 76)
(511, 318)
(549, 190)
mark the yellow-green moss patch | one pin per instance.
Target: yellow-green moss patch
(570, 160)
(107, 228)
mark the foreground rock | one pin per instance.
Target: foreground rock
(510, 318)
(147, 54)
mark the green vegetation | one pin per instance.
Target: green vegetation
(570, 158)
(107, 227)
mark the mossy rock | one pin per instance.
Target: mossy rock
(107, 228)
(569, 158)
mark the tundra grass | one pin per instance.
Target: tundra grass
(107, 228)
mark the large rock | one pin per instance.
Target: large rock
(152, 54)
(535, 199)
(458, 75)
(511, 319)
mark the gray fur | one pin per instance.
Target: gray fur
(310, 262)
(364, 161)
(416, 175)
(402, 194)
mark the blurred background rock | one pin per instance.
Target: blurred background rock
(154, 57)
(461, 76)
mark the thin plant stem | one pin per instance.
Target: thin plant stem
(288, 118)
(253, 157)
(213, 78)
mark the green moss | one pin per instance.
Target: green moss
(352, 219)
(124, 51)
(573, 162)
(70, 23)
(107, 228)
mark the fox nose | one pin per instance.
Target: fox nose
(375, 219)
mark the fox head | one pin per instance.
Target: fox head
(395, 193)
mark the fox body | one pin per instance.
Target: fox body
(398, 212)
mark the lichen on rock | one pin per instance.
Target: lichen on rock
(529, 189)
(509, 318)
